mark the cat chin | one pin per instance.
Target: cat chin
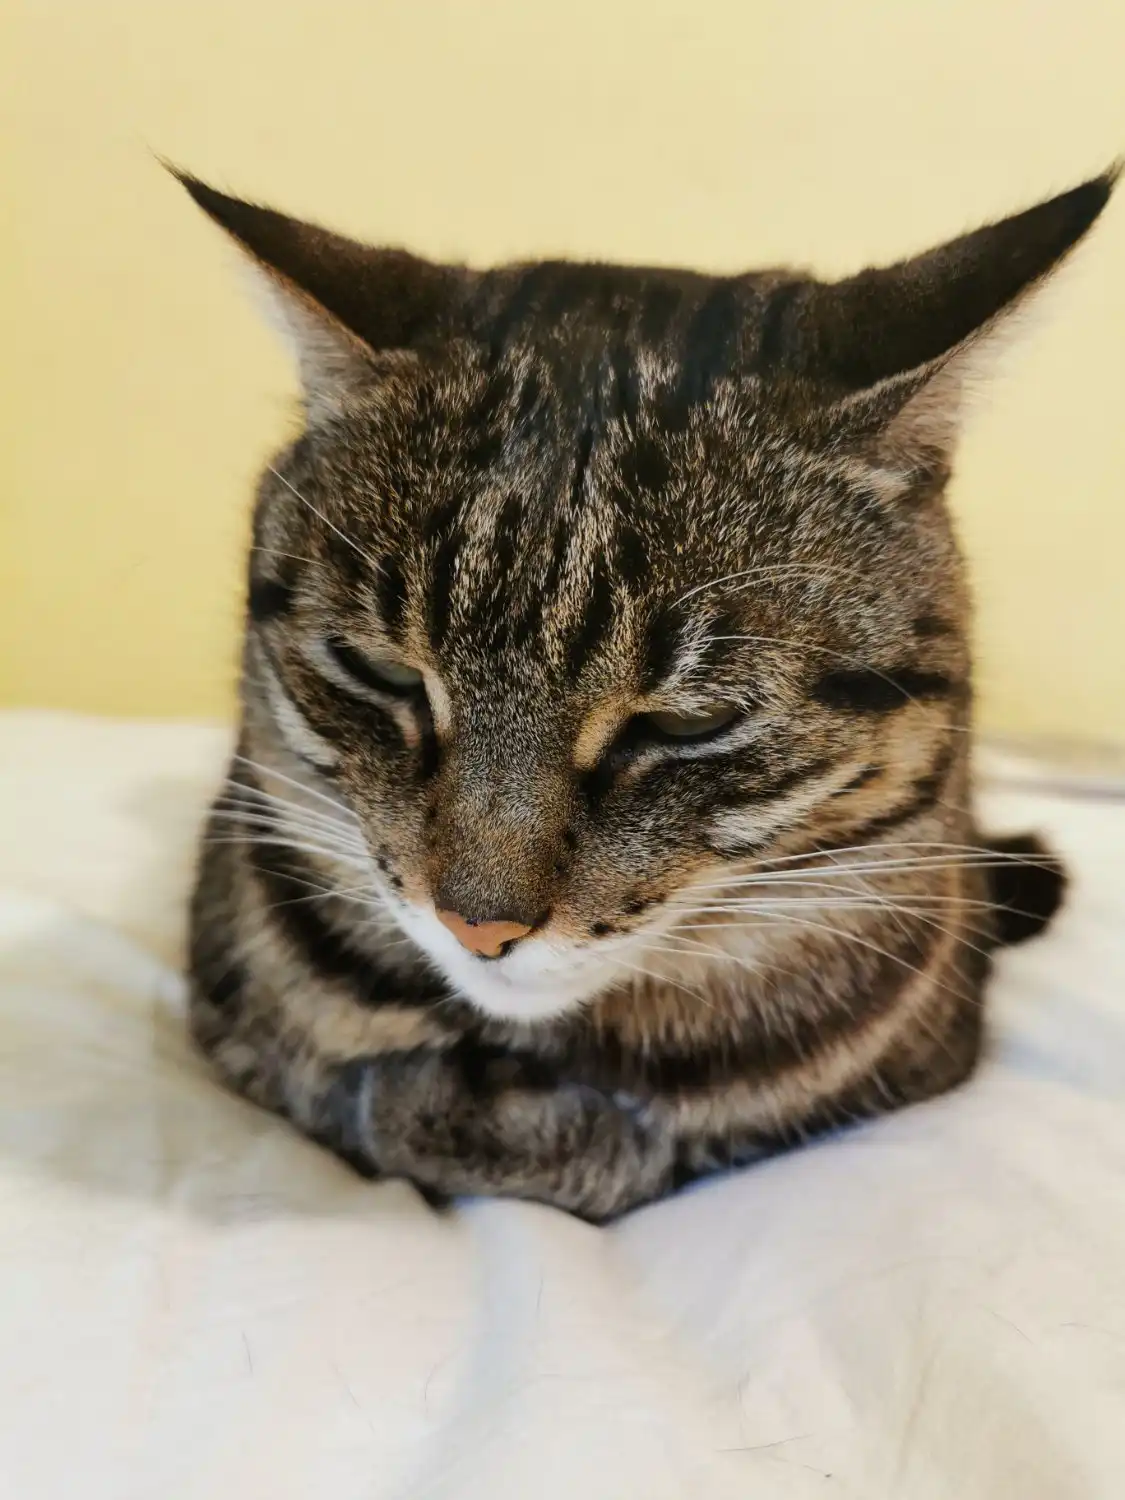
(537, 981)
(512, 999)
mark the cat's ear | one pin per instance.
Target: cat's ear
(342, 304)
(891, 348)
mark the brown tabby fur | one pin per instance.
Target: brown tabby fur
(571, 496)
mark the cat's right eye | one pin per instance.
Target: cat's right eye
(382, 673)
(702, 726)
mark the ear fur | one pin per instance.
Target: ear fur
(891, 352)
(344, 306)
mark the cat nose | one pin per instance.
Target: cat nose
(488, 939)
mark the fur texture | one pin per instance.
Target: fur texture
(621, 604)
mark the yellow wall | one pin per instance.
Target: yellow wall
(139, 393)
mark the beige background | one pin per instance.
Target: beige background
(139, 393)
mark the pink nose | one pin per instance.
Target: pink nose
(486, 938)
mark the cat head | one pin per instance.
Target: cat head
(585, 585)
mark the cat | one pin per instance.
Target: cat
(600, 815)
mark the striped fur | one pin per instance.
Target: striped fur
(570, 498)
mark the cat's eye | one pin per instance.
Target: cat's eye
(382, 673)
(692, 726)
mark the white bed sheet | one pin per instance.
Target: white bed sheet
(194, 1302)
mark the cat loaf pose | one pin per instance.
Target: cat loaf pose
(600, 814)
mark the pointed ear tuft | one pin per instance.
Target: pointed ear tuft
(341, 302)
(892, 348)
(885, 322)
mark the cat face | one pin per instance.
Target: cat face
(565, 667)
(585, 587)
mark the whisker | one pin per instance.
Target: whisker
(274, 822)
(763, 971)
(400, 942)
(312, 562)
(970, 859)
(368, 559)
(695, 951)
(294, 812)
(958, 933)
(299, 847)
(309, 791)
(893, 905)
(833, 878)
(853, 937)
(867, 848)
(817, 875)
(662, 979)
(831, 886)
(325, 892)
(239, 793)
(860, 900)
(773, 570)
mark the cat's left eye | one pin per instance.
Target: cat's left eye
(692, 726)
(382, 673)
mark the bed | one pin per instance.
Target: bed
(195, 1302)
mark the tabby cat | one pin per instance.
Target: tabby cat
(600, 815)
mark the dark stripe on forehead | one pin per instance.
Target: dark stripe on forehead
(532, 406)
(525, 620)
(663, 638)
(441, 520)
(508, 538)
(390, 594)
(711, 343)
(488, 609)
(523, 298)
(484, 448)
(583, 448)
(772, 334)
(558, 557)
(644, 467)
(442, 574)
(631, 557)
(531, 392)
(618, 392)
(346, 558)
(486, 431)
(659, 305)
(597, 619)
(722, 641)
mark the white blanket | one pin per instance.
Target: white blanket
(194, 1302)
